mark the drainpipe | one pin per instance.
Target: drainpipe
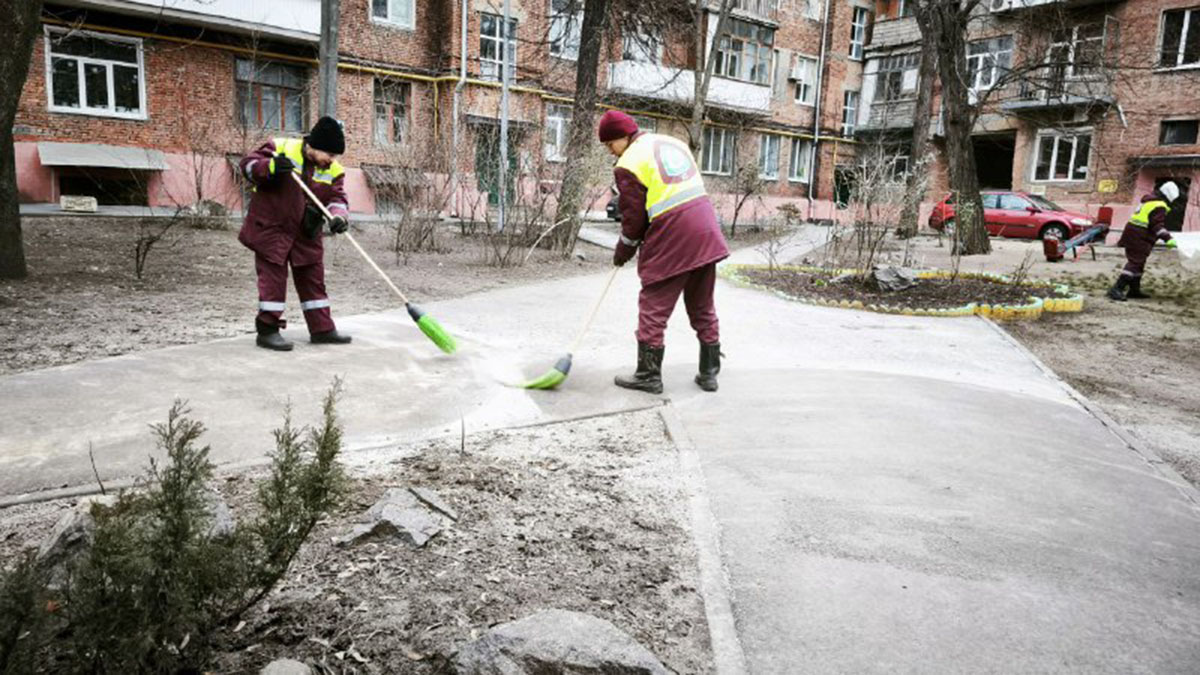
(458, 87)
(503, 172)
(812, 160)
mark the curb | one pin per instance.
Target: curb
(1189, 492)
(1030, 311)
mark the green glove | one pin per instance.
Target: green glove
(1171, 243)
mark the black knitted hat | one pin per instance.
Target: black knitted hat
(327, 135)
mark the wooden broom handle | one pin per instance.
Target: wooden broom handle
(591, 317)
(313, 198)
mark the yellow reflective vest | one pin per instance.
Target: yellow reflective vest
(1141, 217)
(293, 149)
(664, 164)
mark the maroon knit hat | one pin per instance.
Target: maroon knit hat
(615, 124)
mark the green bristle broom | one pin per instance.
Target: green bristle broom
(556, 375)
(428, 325)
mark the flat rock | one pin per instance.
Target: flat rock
(400, 514)
(72, 535)
(557, 641)
(286, 667)
(892, 278)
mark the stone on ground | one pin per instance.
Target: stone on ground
(892, 278)
(557, 641)
(400, 514)
(286, 667)
(72, 535)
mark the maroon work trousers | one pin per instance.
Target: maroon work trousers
(658, 300)
(310, 286)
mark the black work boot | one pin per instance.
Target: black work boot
(1135, 290)
(710, 365)
(269, 337)
(329, 337)
(1117, 292)
(648, 377)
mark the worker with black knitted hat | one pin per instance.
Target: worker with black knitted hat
(284, 230)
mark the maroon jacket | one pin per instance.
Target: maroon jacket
(1139, 241)
(678, 241)
(274, 225)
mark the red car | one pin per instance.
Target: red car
(1016, 214)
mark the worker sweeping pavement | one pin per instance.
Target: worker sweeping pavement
(668, 220)
(1145, 227)
(284, 230)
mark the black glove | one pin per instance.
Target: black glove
(313, 221)
(339, 224)
(623, 253)
(281, 165)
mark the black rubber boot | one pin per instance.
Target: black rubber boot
(1117, 292)
(269, 338)
(648, 377)
(710, 366)
(330, 337)
(1135, 290)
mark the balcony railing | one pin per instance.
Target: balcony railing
(650, 80)
(1059, 86)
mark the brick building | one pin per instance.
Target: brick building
(1086, 102)
(140, 103)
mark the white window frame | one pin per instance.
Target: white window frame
(887, 67)
(634, 48)
(412, 14)
(800, 160)
(768, 166)
(738, 57)
(490, 69)
(850, 111)
(1060, 139)
(383, 136)
(994, 61)
(1191, 22)
(567, 38)
(723, 155)
(141, 114)
(861, 18)
(558, 126)
(804, 67)
(1071, 46)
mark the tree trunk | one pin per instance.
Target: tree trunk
(916, 185)
(328, 56)
(24, 25)
(706, 59)
(583, 114)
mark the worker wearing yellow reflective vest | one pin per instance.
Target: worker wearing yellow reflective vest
(667, 215)
(1145, 227)
(284, 229)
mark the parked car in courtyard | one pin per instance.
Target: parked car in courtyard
(1016, 214)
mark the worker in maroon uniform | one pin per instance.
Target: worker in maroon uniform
(1145, 227)
(284, 229)
(666, 213)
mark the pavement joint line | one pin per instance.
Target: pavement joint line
(728, 656)
(1148, 454)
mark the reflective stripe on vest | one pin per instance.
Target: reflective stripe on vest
(293, 149)
(665, 165)
(1141, 217)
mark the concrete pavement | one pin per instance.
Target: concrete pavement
(890, 493)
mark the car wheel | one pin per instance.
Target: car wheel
(1057, 230)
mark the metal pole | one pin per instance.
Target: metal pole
(458, 87)
(816, 144)
(329, 56)
(504, 34)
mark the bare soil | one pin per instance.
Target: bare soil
(83, 301)
(588, 516)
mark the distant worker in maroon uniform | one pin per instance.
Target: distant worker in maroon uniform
(1145, 227)
(665, 212)
(285, 230)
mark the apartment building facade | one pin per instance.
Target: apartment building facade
(145, 102)
(1089, 103)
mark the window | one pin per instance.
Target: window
(1011, 202)
(640, 46)
(804, 72)
(897, 77)
(744, 52)
(1076, 51)
(270, 95)
(492, 45)
(990, 200)
(396, 12)
(760, 7)
(391, 112)
(858, 31)
(768, 156)
(849, 112)
(812, 9)
(1178, 132)
(1181, 38)
(906, 8)
(646, 124)
(96, 74)
(1062, 156)
(987, 61)
(717, 154)
(800, 160)
(566, 25)
(558, 125)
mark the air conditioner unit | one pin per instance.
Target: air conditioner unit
(1001, 5)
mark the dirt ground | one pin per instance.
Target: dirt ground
(588, 516)
(82, 300)
(925, 294)
(1140, 359)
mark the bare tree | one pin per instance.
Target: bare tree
(24, 24)
(914, 189)
(704, 66)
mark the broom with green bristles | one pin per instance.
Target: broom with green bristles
(556, 375)
(428, 325)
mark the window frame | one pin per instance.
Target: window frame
(813, 64)
(858, 32)
(801, 149)
(740, 57)
(379, 85)
(141, 115)
(990, 57)
(850, 122)
(301, 93)
(632, 48)
(509, 43)
(764, 160)
(1191, 21)
(728, 144)
(888, 70)
(1071, 45)
(561, 114)
(412, 13)
(569, 38)
(1162, 131)
(1072, 168)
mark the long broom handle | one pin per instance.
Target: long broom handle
(592, 317)
(311, 196)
